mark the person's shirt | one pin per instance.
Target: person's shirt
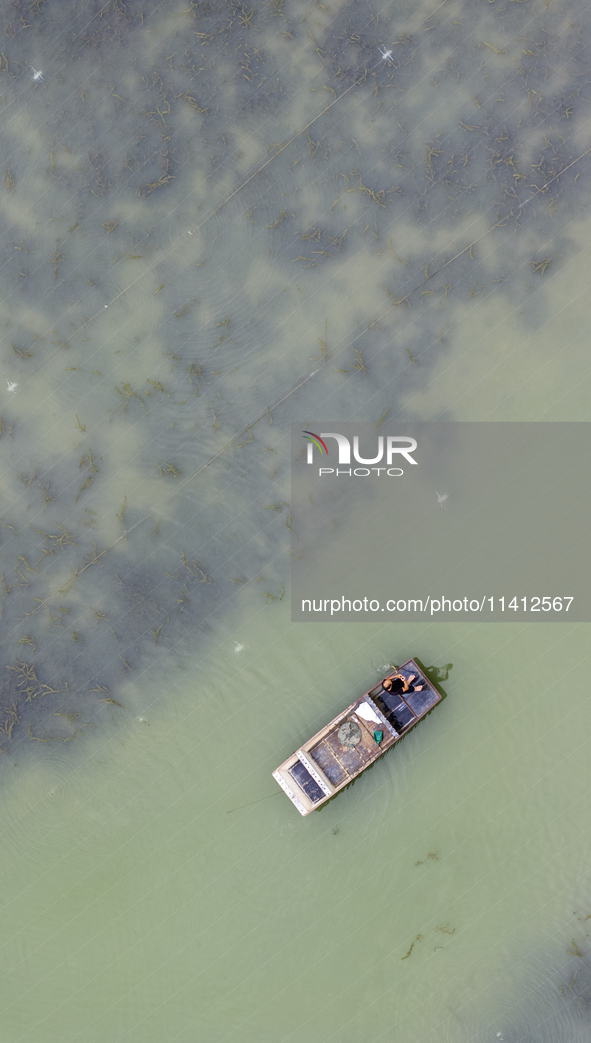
(397, 686)
(391, 698)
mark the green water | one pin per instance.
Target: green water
(216, 221)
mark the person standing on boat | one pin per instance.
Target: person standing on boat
(398, 684)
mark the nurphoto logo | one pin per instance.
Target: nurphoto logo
(395, 444)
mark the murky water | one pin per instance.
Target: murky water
(217, 220)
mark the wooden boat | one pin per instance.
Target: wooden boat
(353, 741)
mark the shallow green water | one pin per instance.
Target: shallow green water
(196, 252)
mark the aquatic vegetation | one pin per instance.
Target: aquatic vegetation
(553, 1007)
(412, 945)
(254, 241)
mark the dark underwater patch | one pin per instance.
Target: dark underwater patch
(187, 198)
